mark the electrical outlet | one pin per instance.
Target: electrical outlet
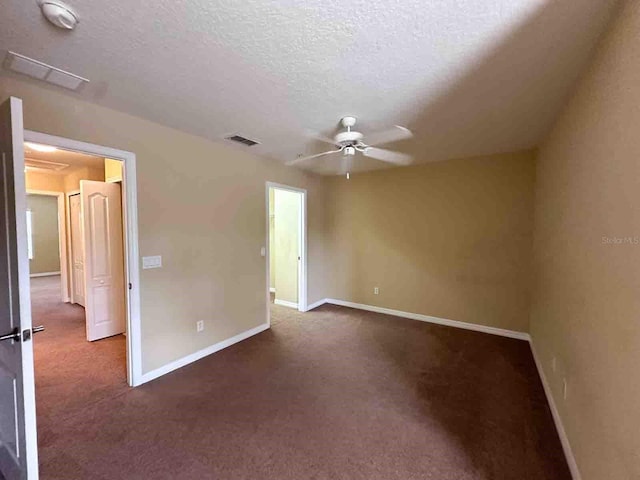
(553, 364)
(200, 326)
(564, 388)
(376, 290)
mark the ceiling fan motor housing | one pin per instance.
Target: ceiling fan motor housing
(346, 139)
(349, 142)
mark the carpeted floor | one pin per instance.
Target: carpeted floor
(71, 373)
(332, 394)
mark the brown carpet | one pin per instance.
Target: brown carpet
(332, 394)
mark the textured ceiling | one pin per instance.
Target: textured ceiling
(469, 77)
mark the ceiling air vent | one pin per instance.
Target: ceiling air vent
(240, 139)
(41, 71)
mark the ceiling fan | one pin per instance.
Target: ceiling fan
(349, 142)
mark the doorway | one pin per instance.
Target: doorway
(46, 237)
(94, 310)
(286, 249)
(100, 247)
(18, 437)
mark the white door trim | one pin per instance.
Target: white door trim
(302, 265)
(130, 211)
(67, 218)
(62, 241)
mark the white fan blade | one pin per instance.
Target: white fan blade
(392, 135)
(320, 137)
(387, 156)
(304, 159)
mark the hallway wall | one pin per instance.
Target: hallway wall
(212, 267)
(46, 240)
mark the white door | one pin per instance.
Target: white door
(77, 252)
(101, 213)
(287, 207)
(18, 443)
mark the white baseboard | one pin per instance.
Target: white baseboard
(316, 304)
(566, 446)
(272, 289)
(44, 274)
(284, 303)
(428, 318)
(564, 440)
(170, 367)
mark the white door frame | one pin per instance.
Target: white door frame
(130, 211)
(62, 239)
(302, 264)
(67, 219)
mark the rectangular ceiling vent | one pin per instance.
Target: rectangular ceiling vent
(240, 139)
(41, 71)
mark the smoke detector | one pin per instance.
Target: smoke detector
(59, 13)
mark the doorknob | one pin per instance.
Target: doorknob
(14, 335)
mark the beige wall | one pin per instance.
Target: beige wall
(72, 180)
(449, 239)
(586, 302)
(286, 239)
(201, 205)
(112, 170)
(44, 181)
(62, 183)
(46, 242)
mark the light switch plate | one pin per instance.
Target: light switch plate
(154, 261)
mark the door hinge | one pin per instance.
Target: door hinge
(130, 286)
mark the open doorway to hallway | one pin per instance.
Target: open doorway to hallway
(286, 246)
(77, 272)
(75, 236)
